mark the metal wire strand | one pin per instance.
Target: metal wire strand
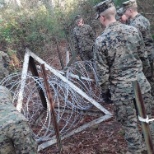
(67, 102)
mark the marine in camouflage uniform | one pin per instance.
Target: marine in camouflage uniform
(84, 38)
(122, 17)
(143, 25)
(4, 64)
(15, 133)
(118, 51)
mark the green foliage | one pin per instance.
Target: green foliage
(37, 24)
(28, 28)
(37, 27)
(11, 52)
(118, 3)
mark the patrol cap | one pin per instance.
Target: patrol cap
(78, 17)
(102, 6)
(120, 11)
(129, 3)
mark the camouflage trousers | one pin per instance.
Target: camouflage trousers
(17, 138)
(150, 73)
(149, 103)
(151, 81)
(86, 55)
(126, 114)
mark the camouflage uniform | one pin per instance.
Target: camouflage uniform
(117, 55)
(15, 134)
(119, 50)
(4, 63)
(84, 38)
(143, 25)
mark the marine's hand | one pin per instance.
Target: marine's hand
(107, 97)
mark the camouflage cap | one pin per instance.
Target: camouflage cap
(102, 6)
(129, 3)
(120, 11)
(77, 17)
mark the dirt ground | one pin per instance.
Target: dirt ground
(104, 138)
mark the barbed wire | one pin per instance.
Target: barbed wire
(67, 102)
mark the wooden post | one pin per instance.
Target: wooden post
(142, 113)
(59, 54)
(49, 96)
(33, 69)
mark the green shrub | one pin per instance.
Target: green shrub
(37, 27)
(28, 28)
(118, 3)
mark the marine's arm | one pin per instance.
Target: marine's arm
(6, 59)
(91, 33)
(102, 67)
(75, 39)
(142, 52)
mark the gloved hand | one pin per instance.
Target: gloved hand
(107, 97)
(5, 65)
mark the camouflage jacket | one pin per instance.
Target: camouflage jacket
(143, 25)
(84, 38)
(117, 55)
(8, 111)
(10, 120)
(4, 63)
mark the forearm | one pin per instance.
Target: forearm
(103, 74)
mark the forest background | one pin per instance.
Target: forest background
(42, 24)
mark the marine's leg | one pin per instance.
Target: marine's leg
(126, 115)
(87, 57)
(148, 100)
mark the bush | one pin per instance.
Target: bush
(37, 27)
(28, 28)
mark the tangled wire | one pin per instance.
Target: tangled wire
(67, 102)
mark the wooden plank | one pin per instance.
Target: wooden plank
(75, 131)
(64, 79)
(34, 71)
(51, 108)
(23, 81)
